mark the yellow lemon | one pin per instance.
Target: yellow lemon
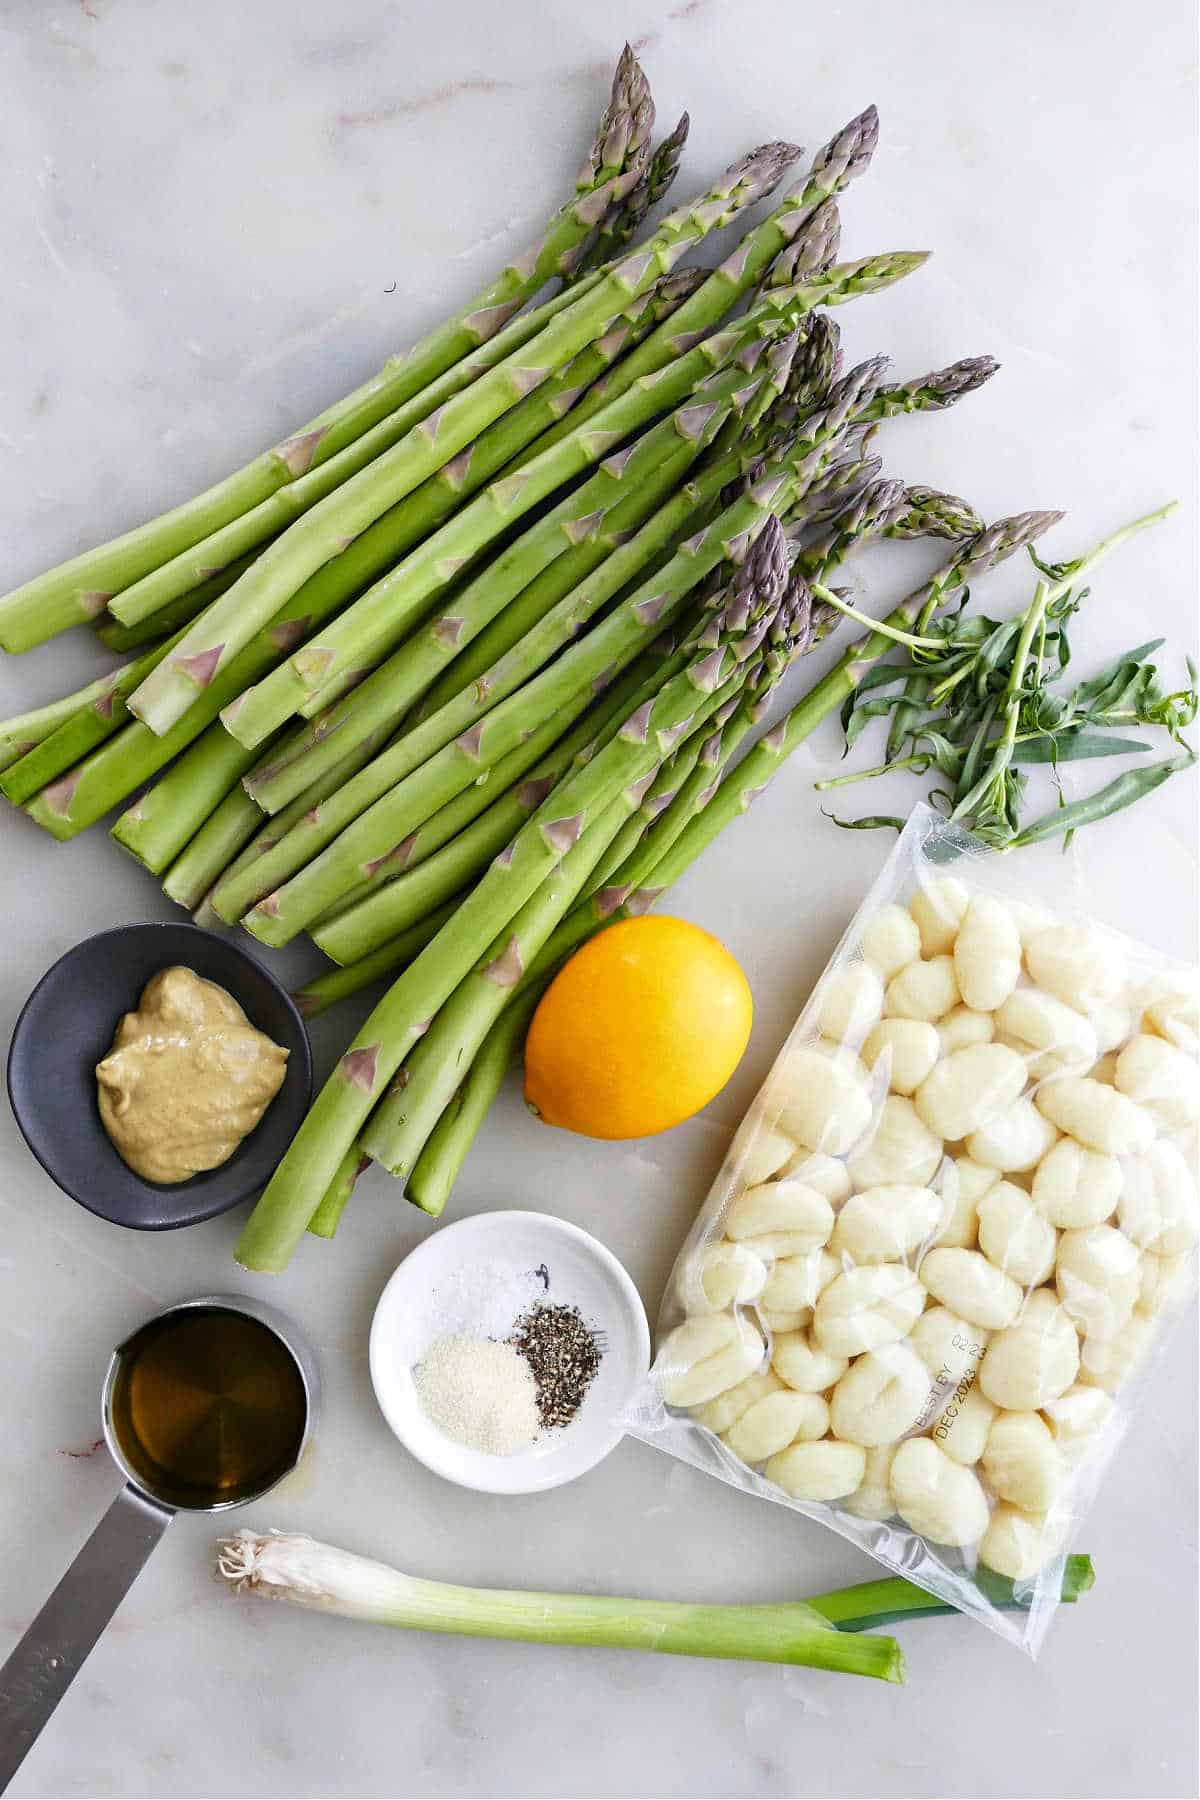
(638, 1031)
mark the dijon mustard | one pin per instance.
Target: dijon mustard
(187, 1078)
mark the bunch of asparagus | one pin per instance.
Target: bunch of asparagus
(465, 668)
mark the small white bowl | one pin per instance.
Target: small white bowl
(442, 1287)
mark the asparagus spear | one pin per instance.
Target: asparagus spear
(397, 1023)
(625, 217)
(168, 619)
(97, 714)
(436, 498)
(159, 824)
(26, 732)
(78, 589)
(930, 513)
(321, 532)
(223, 834)
(437, 1168)
(324, 991)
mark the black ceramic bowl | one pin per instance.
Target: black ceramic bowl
(67, 1025)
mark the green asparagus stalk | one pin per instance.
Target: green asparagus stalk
(79, 589)
(229, 623)
(440, 1162)
(842, 160)
(879, 505)
(325, 1220)
(26, 732)
(412, 1106)
(403, 1015)
(90, 723)
(168, 619)
(930, 513)
(359, 851)
(625, 217)
(158, 826)
(224, 833)
(436, 498)
(326, 990)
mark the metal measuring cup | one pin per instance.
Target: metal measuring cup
(56, 1645)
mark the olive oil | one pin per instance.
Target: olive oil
(209, 1407)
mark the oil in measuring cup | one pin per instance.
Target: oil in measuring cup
(204, 1407)
(208, 1407)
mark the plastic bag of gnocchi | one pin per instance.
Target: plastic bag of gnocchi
(948, 1235)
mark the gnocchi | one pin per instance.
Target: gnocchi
(885, 1224)
(825, 1103)
(864, 1308)
(776, 1421)
(721, 1275)
(704, 1356)
(987, 954)
(782, 1218)
(1097, 1278)
(908, 1049)
(795, 1281)
(1021, 1461)
(961, 1027)
(851, 1001)
(1076, 1418)
(923, 990)
(880, 1397)
(768, 1152)
(803, 1365)
(1099, 1117)
(950, 1347)
(1081, 967)
(872, 1499)
(1016, 1544)
(1162, 1080)
(935, 1496)
(962, 1426)
(1157, 1208)
(890, 940)
(826, 1470)
(727, 1408)
(969, 1088)
(1034, 1360)
(1014, 1236)
(1053, 1035)
(963, 1185)
(826, 1174)
(899, 1150)
(1015, 1141)
(1074, 1187)
(938, 911)
(971, 1286)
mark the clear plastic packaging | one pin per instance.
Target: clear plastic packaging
(925, 1286)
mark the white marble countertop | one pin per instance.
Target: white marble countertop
(217, 218)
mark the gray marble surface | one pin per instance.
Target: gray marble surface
(216, 218)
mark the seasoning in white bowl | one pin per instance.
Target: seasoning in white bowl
(480, 1393)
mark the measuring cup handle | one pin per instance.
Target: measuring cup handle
(54, 1649)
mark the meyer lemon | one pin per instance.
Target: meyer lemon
(638, 1031)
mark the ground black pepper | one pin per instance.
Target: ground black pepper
(563, 1357)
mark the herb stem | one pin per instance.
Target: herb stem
(821, 592)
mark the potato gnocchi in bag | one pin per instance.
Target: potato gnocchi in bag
(948, 1234)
